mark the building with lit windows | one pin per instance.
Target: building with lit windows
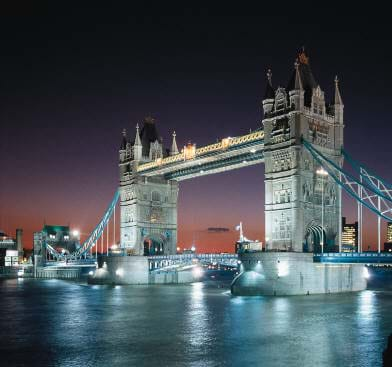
(388, 244)
(389, 232)
(349, 236)
(11, 249)
(61, 238)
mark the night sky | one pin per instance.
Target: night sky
(70, 81)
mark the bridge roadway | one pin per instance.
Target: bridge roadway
(354, 258)
(168, 262)
(160, 262)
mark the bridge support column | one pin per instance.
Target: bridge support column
(296, 196)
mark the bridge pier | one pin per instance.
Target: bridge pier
(289, 273)
(140, 270)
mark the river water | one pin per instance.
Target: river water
(60, 323)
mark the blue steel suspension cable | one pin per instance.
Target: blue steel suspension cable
(352, 193)
(371, 188)
(359, 167)
(97, 232)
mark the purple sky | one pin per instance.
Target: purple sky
(71, 82)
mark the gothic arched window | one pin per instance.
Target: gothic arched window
(156, 196)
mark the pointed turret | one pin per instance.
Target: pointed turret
(123, 146)
(137, 146)
(137, 137)
(298, 81)
(338, 103)
(297, 94)
(269, 90)
(174, 148)
(269, 95)
(124, 153)
(338, 97)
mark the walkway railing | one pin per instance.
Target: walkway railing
(354, 257)
(223, 145)
(168, 261)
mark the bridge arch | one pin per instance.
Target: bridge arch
(313, 237)
(154, 244)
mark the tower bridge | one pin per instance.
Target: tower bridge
(300, 142)
(294, 193)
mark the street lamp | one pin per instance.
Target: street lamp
(323, 173)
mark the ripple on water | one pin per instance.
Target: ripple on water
(59, 323)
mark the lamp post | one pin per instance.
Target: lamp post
(323, 173)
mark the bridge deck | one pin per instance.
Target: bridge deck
(354, 258)
(166, 261)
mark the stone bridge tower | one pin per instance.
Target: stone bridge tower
(148, 205)
(294, 191)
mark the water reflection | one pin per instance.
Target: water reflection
(197, 319)
(367, 304)
(65, 324)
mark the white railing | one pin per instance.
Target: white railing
(223, 145)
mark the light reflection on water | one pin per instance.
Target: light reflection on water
(58, 323)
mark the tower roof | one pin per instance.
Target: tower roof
(269, 90)
(124, 140)
(306, 75)
(148, 134)
(338, 97)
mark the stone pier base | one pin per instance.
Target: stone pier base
(135, 270)
(289, 273)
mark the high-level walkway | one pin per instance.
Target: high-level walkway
(354, 258)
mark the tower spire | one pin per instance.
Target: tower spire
(269, 95)
(174, 148)
(338, 97)
(338, 103)
(137, 137)
(269, 76)
(137, 146)
(298, 82)
(269, 90)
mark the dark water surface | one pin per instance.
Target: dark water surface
(59, 323)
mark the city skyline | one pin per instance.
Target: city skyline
(64, 115)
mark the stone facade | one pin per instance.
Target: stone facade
(293, 190)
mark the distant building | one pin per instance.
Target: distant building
(245, 244)
(388, 244)
(349, 236)
(388, 247)
(11, 249)
(389, 232)
(58, 237)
